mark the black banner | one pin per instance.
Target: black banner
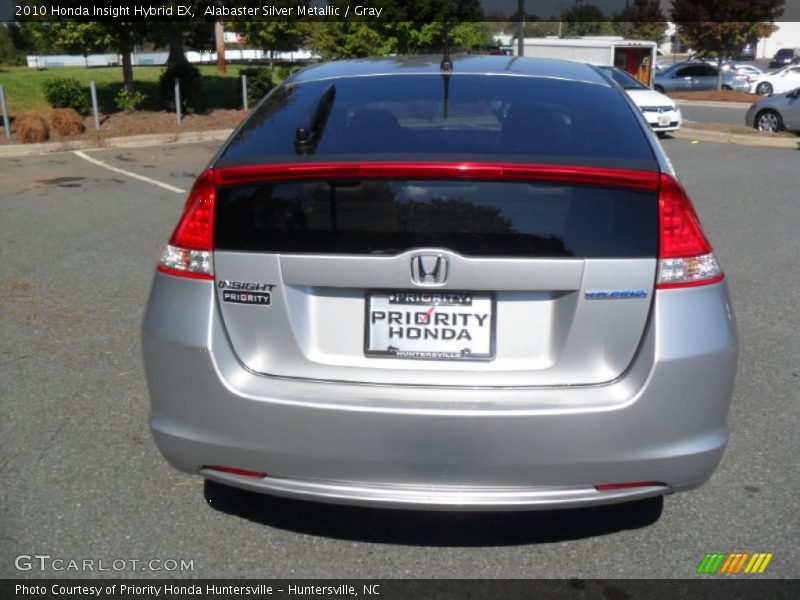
(734, 588)
(388, 10)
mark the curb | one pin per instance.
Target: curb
(716, 104)
(736, 138)
(131, 141)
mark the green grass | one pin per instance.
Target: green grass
(24, 92)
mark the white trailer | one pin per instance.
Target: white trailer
(634, 56)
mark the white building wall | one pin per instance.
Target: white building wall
(787, 36)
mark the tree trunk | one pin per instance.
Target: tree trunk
(719, 72)
(219, 36)
(176, 54)
(127, 70)
(125, 48)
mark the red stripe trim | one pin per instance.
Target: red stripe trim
(180, 273)
(235, 471)
(607, 487)
(693, 283)
(628, 178)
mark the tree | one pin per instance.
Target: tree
(348, 39)
(721, 27)
(275, 36)
(219, 42)
(33, 37)
(586, 19)
(123, 36)
(177, 34)
(9, 54)
(642, 21)
(74, 37)
(470, 36)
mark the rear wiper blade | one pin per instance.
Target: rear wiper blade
(311, 128)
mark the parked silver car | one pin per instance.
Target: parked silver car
(776, 113)
(476, 286)
(695, 77)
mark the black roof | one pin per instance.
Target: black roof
(462, 64)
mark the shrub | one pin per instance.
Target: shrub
(32, 129)
(259, 84)
(67, 93)
(66, 122)
(190, 85)
(129, 102)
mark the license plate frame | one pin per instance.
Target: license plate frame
(485, 330)
(663, 120)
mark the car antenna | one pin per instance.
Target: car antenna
(310, 131)
(446, 66)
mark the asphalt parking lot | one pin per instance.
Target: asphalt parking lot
(729, 115)
(80, 477)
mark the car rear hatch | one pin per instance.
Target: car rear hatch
(523, 268)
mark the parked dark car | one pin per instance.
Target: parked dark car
(748, 52)
(696, 76)
(784, 56)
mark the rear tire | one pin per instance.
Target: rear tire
(769, 120)
(764, 89)
(727, 88)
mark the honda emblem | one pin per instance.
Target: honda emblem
(429, 269)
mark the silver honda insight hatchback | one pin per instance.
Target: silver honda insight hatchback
(466, 286)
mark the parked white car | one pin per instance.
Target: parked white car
(781, 81)
(660, 111)
(749, 72)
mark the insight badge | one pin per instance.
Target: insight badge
(614, 294)
(245, 292)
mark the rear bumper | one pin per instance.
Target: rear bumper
(445, 498)
(444, 448)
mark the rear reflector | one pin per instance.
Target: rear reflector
(685, 256)
(608, 487)
(188, 253)
(235, 471)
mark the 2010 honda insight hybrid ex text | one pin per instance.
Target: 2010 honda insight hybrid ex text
(462, 286)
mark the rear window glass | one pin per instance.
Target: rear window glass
(460, 115)
(474, 218)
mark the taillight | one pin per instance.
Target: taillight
(685, 256)
(188, 253)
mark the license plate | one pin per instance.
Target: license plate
(663, 120)
(439, 325)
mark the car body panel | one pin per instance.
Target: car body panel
(663, 420)
(696, 76)
(661, 112)
(787, 105)
(657, 107)
(781, 81)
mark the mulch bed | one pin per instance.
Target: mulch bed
(721, 96)
(141, 123)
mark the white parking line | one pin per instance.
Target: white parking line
(105, 165)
